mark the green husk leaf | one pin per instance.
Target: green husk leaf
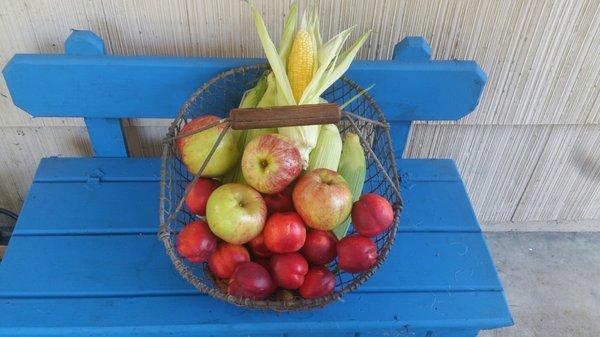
(287, 37)
(353, 98)
(277, 66)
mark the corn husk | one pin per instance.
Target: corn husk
(328, 150)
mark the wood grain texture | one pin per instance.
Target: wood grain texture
(541, 58)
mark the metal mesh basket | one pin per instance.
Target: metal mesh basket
(222, 94)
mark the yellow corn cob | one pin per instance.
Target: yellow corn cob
(300, 63)
(328, 150)
(353, 168)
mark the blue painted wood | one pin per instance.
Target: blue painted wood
(434, 197)
(57, 169)
(200, 315)
(399, 131)
(106, 134)
(120, 265)
(412, 49)
(124, 87)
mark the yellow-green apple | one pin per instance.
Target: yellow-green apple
(270, 163)
(322, 198)
(195, 148)
(236, 213)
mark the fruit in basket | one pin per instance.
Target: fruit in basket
(270, 163)
(236, 213)
(372, 214)
(258, 247)
(198, 196)
(195, 242)
(281, 201)
(322, 198)
(352, 167)
(195, 148)
(288, 270)
(284, 232)
(319, 247)
(318, 282)
(356, 253)
(251, 280)
(226, 258)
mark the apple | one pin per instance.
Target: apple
(195, 242)
(288, 270)
(372, 214)
(257, 246)
(322, 198)
(280, 201)
(195, 148)
(270, 163)
(236, 213)
(223, 261)
(356, 253)
(251, 280)
(318, 282)
(198, 196)
(320, 247)
(284, 233)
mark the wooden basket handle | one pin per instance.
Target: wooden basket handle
(280, 116)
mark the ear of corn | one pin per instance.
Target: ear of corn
(353, 168)
(300, 63)
(328, 150)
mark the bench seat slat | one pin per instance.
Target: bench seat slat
(118, 265)
(116, 195)
(199, 314)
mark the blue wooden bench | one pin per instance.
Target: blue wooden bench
(84, 259)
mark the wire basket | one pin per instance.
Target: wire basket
(218, 97)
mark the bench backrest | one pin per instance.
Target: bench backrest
(85, 82)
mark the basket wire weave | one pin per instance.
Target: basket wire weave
(223, 93)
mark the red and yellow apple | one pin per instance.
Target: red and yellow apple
(270, 163)
(198, 196)
(322, 198)
(195, 148)
(236, 213)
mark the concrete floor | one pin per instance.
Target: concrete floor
(552, 281)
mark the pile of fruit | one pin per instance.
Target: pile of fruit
(272, 207)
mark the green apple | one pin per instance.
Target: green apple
(236, 213)
(195, 148)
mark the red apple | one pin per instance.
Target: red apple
(280, 201)
(318, 282)
(284, 233)
(195, 242)
(288, 270)
(236, 213)
(322, 198)
(270, 163)
(251, 280)
(320, 247)
(198, 196)
(372, 214)
(223, 261)
(195, 148)
(356, 253)
(257, 246)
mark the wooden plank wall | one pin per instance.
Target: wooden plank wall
(529, 154)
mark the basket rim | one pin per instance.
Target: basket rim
(164, 232)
